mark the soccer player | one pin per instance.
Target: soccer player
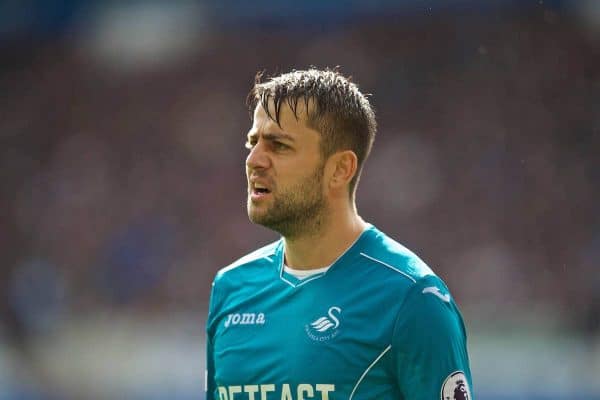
(335, 309)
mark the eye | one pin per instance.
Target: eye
(250, 143)
(280, 146)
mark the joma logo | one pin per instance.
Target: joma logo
(245, 319)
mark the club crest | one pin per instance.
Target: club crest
(324, 327)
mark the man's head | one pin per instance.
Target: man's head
(336, 109)
(311, 132)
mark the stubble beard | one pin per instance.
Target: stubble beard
(299, 211)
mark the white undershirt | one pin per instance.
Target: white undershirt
(304, 273)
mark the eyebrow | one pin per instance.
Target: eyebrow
(272, 136)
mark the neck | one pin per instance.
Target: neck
(322, 247)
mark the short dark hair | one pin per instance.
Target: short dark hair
(339, 111)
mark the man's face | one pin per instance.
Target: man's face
(285, 173)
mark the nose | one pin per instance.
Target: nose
(257, 158)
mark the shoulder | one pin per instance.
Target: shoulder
(429, 321)
(243, 276)
(247, 264)
(390, 257)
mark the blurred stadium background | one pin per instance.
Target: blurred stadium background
(122, 188)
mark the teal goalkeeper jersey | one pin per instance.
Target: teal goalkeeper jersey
(377, 325)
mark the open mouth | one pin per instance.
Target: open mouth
(260, 189)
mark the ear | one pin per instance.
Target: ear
(343, 168)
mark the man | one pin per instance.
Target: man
(335, 309)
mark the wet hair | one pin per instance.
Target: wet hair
(338, 110)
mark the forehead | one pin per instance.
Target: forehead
(289, 122)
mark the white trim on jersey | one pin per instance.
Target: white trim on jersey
(389, 266)
(249, 258)
(303, 281)
(368, 369)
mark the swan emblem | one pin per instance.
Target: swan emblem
(328, 322)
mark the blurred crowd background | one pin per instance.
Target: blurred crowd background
(122, 187)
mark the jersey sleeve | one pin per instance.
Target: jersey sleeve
(209, 381)
(429, 345)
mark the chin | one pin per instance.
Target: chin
(254, 215)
